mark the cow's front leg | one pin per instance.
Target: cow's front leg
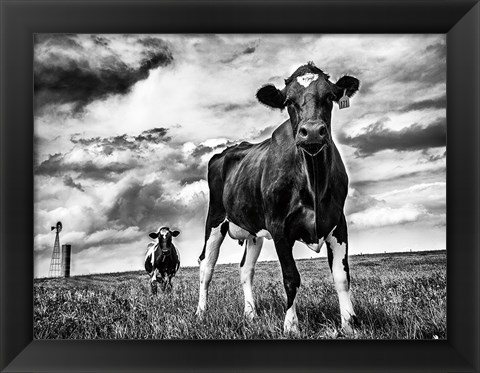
(153, 281)
(207, 264)
(163, 282)
(291, 282)
(247, 270)
(337, 251)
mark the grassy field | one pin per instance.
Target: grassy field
(396, 296)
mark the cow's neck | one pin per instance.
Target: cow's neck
(318, 172)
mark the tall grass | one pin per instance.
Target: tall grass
(400, 296)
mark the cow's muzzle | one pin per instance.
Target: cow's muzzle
(312, 137)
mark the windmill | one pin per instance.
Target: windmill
(56, 263)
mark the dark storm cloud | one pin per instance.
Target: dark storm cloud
(108, 172)
(100, 40)
(434, 157)
(56, 165)
(230, 106)
(358, 201)
(138, 205)
(201, 150)
(154, 135)
(61, 77)
(68, 181)
(438, 50)
(147, 206)
(57, 40)
(435, 103)
(417, 177)
(429, 71)
(151, 42)
(414, 137)
(186, 168)
(125, 142)
(248, 50)
(193, 172)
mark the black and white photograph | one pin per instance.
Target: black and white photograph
(240, 186)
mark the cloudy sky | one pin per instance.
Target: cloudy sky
(125, 126)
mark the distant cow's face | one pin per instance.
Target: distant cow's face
(164, 236)
(308, 96)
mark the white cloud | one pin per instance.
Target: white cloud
(379, 216)
(424, 193)
(189, 192)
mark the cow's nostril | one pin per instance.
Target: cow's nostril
(303, 132)
(323, 131)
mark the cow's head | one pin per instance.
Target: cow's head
(308, 96)
(164, 236)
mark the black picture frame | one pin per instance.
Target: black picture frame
(458, 19)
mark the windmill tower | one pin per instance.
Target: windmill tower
(56, 263)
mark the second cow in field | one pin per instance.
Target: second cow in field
(291, 187)
(162, 259)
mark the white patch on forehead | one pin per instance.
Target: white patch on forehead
(307, 79)
(164, 232)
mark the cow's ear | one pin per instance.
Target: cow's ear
(349, 84)
(271, 96)
(175, 233)
(153, 235)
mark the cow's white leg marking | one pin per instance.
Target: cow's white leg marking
(290, 325)
(341, 282)
(154, 275)
(207, 265)
(246, 274)
(151, 251)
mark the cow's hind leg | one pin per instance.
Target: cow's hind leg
(247, 270)
(208, 259)
(337, 251)
(291, 282)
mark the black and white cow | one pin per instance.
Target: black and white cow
(162, 259)
(291, 187)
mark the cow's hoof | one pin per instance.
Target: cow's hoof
(290, 329)
(250, 314)
(349, 328)
(153, 286)
(200, 314)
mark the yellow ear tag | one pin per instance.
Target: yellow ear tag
(344, 102)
